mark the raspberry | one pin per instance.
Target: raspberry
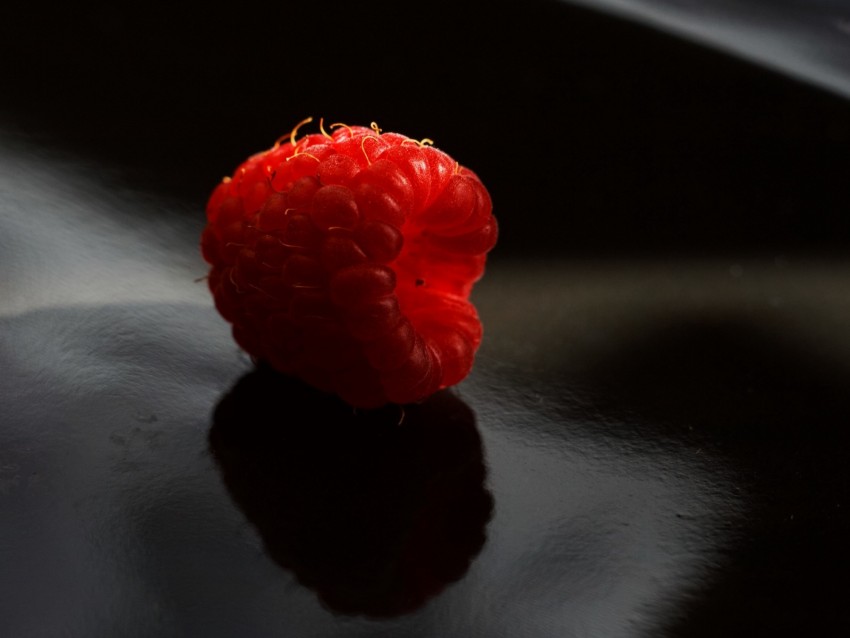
(347, 260)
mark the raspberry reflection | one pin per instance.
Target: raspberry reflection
(376, 517)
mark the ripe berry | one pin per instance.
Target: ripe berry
(347, 259)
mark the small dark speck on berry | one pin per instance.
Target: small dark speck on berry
(420, 282)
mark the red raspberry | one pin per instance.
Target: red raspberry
(348, 259)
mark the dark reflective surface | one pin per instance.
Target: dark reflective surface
(663, 442)
(660, 397)
(807, 39)
(779, 411)
(376, 511)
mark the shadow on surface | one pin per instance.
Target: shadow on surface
(377, 517)
(779, 413)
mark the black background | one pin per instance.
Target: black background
(620, 140)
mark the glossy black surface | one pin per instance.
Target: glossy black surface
(664, 445)
(652, 442)
(807, 39)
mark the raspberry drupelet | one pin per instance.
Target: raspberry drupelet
(347, 259)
